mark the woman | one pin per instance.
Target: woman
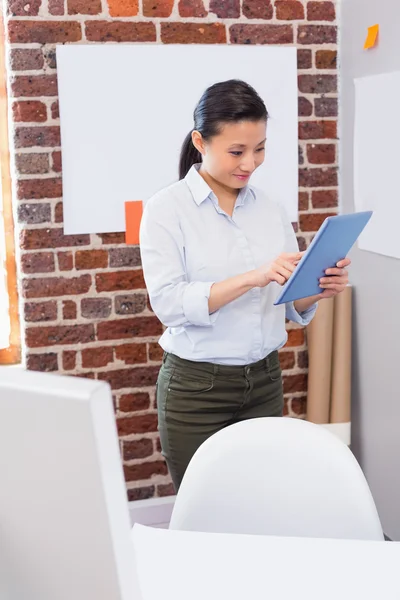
(215, 252)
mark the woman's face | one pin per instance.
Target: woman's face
(234, 154)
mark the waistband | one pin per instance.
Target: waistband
(171, 360)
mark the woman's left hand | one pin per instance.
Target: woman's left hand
(336, 279)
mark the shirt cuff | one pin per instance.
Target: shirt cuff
(195, 304)
(303, 318)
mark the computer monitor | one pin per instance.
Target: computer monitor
(65, 532)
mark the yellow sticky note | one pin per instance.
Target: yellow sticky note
(133, 216)
(371, 37)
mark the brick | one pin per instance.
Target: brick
(37, 337)
(119, 280)
(324, 198)
(125, 257)
(44, 32)
(56, 162)
(112, 238)
(123, 8)
(50, 57)
(294, 383)
(48, 287)
(93, 358)
(305, 107)
(326, 59)
(96, 308)
(158, 445)
(287, 360)
(69, 310)
(86, 375)
(40, 239)
(38, 262)
(317, 34)
(302, 359)
(145, 470)
(142, 493)
(321, 11)
(22, 8)
(326, 107)
(295, 338)
(165, 490)
(55, 110)
(35, 312)
(65, 261)
(129, 328)
(193, 33)
(34, 85)
(120, 31)
(134, 402)
(325, 177)
(29, 111)
(128, 378)
(26, 60)
(131, 304)
(303, 201)
(33, 213)
(157, 8)
(137, 424)
(58, 212)
(29, 137)
(131, 354)
(155, 352)
(302, 243)
(299, 405)
(261, 34)
(289, 10)
(317, 84)
(313, 222)
(304, 59)
(37, 189)
(32, 163)
(225, 9)
(56, 7)
(137, 449)
(258, 9)
(69, 360)
(192, 8)
(91, 259)
(314, 130)
(301, 157)
(84, 7)
(321, 154)
(42, 362)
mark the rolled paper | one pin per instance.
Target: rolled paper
(340, 411)
(319, 338)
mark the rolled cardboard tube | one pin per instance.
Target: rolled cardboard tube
(340, 411)
(319, 338)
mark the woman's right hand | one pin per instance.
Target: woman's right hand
(279, 270)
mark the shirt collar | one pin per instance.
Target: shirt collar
(201, 190)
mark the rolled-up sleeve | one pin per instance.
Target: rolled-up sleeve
(303, 318)
(176, 301)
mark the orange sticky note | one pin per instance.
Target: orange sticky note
(133, 216)
(371, 37)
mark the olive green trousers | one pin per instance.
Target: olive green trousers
(197, 399)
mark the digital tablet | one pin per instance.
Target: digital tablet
(331, 244)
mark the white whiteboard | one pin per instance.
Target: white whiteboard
(126, 109)
(376, 160)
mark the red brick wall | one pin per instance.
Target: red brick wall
(84, 305)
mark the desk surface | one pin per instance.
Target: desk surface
(199, 566)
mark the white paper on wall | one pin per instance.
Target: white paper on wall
(377, 160)
(126, 109)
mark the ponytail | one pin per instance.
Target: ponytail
(189, 156)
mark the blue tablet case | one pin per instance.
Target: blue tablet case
(331, 244)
